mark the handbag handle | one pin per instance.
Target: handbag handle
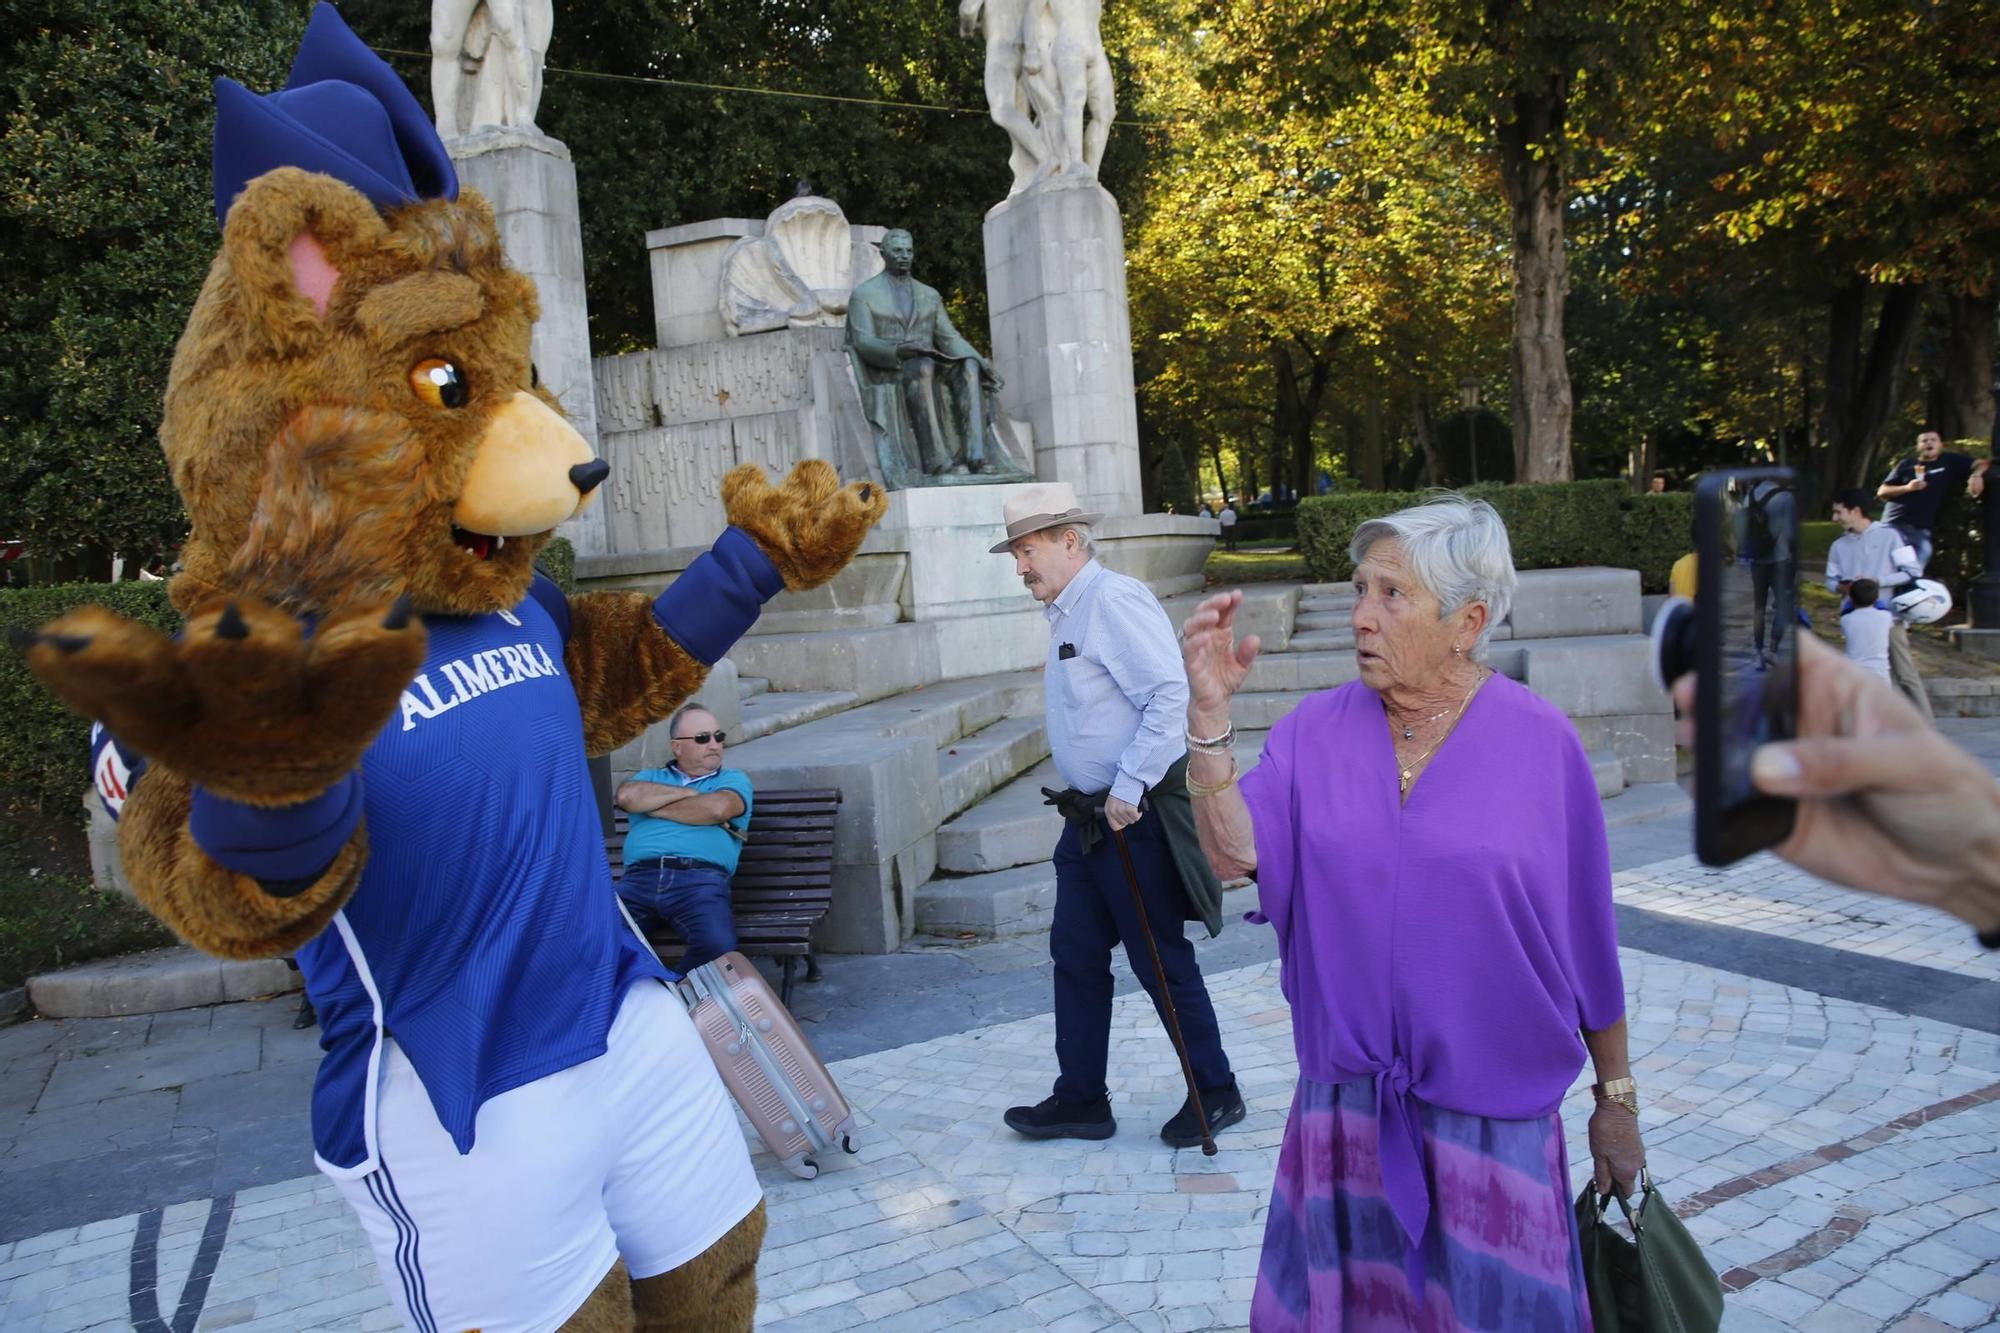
(1600, 1201)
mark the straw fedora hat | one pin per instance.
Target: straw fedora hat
(1045, 504)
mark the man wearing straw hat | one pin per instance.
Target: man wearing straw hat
(1128, 867)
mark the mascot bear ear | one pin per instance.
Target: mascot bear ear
(290, 236)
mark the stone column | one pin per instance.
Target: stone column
(1062, 336)
(531, 183)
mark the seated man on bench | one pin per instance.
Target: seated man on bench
(688, 824)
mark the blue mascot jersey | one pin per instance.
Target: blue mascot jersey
(485, 935)
(485, 932)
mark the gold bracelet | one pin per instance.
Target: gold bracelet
(1210, 789)
(1623, 1091)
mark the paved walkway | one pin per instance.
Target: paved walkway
(1821, 1068)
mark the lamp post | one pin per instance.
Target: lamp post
(1468, 400)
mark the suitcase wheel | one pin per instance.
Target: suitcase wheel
(847, 1144)
(805, 1168)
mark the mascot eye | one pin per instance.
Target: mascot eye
(439, 383)
(534, 376)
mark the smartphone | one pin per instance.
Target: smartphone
(1746, 607)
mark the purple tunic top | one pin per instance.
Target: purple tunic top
(1450, 947)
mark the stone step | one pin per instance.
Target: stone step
(1345, 589)
(1260, 710)
(1963, 696)
(776, 710)
(1017, 901)
(1011, 827)
(1326, 606)
(975, 766)
(1310, 621)
(156, 980)
(1609, 770)
(1300, 670)
(749, 687)
(1322, 640)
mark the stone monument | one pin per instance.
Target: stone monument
(1055, 249)
(486, 84)
(927, 393)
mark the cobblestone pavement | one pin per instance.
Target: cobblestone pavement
(1840, 1163)
(1821, 1071)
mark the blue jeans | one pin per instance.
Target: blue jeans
(1094, 912)
(1922, 541)
(696, 902)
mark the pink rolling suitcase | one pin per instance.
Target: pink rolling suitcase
(767, 1064)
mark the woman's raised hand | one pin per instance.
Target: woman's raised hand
(1216, 662)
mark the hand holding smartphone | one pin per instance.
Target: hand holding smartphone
(1740, 638)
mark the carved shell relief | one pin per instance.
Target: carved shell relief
(797, 274)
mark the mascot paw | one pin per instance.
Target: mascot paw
(243, 702)
(810, 526)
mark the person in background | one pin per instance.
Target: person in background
(1878, 553)
(689, 820)
(1658, 485)
(1115, 699)
(1685, 576)
(1228, 520)
(1867, 626)
(1918, 487)
(1770, 513)
(1428, 842)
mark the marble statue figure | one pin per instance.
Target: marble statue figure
(926, 391)
(1045, 71)
(486, 62)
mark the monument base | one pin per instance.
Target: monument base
(1062, 336)
(530, 181)
(1977, 642)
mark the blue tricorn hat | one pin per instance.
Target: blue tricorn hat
(343, 112)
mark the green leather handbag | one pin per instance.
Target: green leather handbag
(1655, 1282)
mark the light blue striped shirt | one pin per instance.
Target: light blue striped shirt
(1117, 708)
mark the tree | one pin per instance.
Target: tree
(106, 208)
(1288, 254)
(1851, 147)
(1527, 79)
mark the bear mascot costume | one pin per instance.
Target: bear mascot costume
(368, 745)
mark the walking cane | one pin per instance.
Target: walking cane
(1166, 996)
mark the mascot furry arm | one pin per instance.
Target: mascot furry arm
(360, 439)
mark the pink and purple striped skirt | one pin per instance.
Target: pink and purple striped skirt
(1500, 1254)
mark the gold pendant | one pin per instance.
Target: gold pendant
(1406, 779)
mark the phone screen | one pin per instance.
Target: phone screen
(1747, 532)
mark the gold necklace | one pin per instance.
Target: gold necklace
(1410, 729)
(1408, 773)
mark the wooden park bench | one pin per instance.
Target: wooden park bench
(783, 884)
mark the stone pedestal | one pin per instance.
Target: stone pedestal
(531, 183)
(1062, 336)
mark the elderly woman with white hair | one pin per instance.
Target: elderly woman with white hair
(1428, 843)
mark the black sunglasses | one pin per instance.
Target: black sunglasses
(701, 737)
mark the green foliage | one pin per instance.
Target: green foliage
(1231, 569)
(105, 206)
(45, 748)
(558, 561)
(1551, 525)
(49, 921)
(1659, 529)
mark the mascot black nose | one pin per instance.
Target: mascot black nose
(587, 476)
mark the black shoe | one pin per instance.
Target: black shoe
(1224, 1107)
(305, 1017)
(1051, 1119)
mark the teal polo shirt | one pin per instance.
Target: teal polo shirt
(651, 836)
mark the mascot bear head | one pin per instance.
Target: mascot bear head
(352, 414)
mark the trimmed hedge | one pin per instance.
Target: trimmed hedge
(558, 561)
(1549, 526)
(45, 748)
